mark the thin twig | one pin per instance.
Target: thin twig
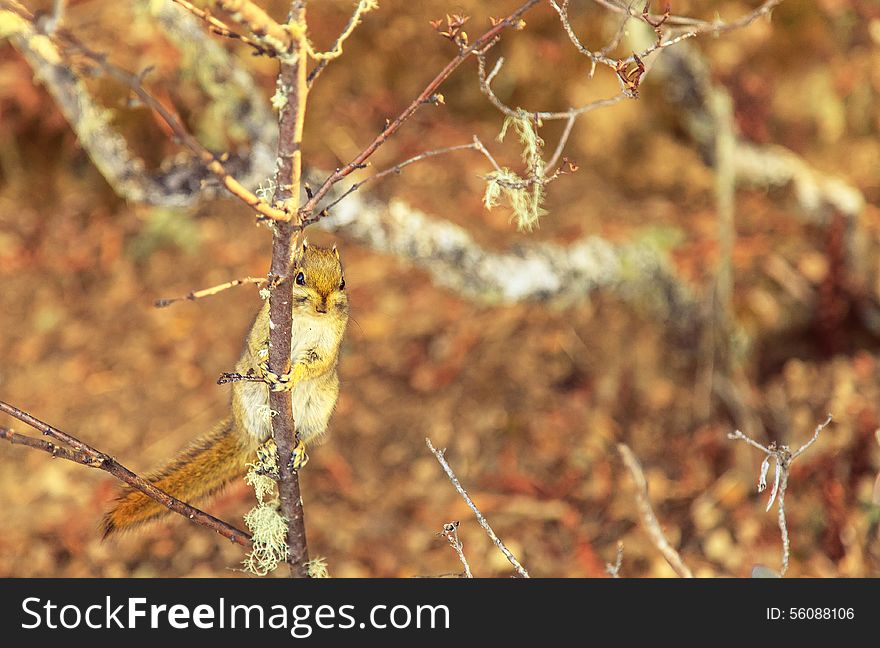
(439, 454)
(595, 57)
(261, 25)
(560, 146)
(684, 21)
(396, 169)
(540, 115)
(86, 455)
(220, 28)
(335, 51)
(482, 149)
(232, 376)
(450, 532)
(479, 45)
(813, 439)
(66, 41)
(209, 292)
(613, 569)
(783, 457)
(615, 41)
(652, 526)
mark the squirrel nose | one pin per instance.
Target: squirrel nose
(321, 308)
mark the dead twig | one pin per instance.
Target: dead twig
(209, 292)
(66, 42)
(395, 170)
(613, 569)
(539, 115)
(450, 532)
(652, 526)
(86, 455)
(263, 28)
(324, 58)
(784, 457)
(217, 26)
(392, 126)
(439, 454)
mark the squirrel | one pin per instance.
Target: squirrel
(320, 315)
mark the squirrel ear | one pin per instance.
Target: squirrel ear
(335, 251)
(305, 244)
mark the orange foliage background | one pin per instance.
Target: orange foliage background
(529, 399)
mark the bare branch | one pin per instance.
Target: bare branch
(614, 569)
(563, 140)
(814, 438)
(595, 57)
(783, 457)
(479, 45)
(450, 532)
(638, 271)
(692, 24)
(362, 7)
(292, 93)
(85, 455)
(260, 24)
(220, 28)
(439, 454)
(209, 292)
(396, 169)
(64, 42)
(232, 376)
(652, 526)
(540, 115)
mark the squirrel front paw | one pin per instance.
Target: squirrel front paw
(299, 458)
(283, 382)
(266, 457)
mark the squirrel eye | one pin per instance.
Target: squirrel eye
(342, 284)
(301, 279)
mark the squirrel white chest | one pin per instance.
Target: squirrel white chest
(313, 398)
(312, 335)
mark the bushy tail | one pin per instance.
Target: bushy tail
(201, 469)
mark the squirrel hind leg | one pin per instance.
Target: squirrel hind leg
(199, 471)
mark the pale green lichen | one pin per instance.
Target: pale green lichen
(279, 99)
(524, 195)
(266, 192)
(527, 130)
(261, 474)
(269, 533)
(267, 525)
(317, 568)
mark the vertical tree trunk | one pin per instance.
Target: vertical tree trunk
(292, 88)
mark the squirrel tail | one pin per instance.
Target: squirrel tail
(201, 469)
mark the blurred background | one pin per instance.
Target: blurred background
(530, 398)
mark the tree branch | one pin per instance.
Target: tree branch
(85, 455)
(450, 532)
(263, 27)
(396, 169)
(220, 28)
(479, 45)
(363, 6)
(62, 42)
(652, 526)
(439, 454)
(293, 93)
(783, 457)
(209, 292)
(637, 271)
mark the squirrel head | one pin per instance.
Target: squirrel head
(318, 282)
